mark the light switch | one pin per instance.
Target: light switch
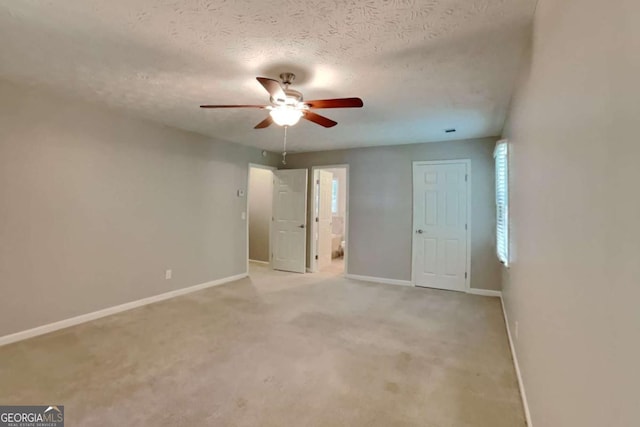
(240, 193)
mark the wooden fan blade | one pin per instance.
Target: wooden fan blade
(265, 123)
(336, 103)
(317, 118)
(273, 87)
(233, 106)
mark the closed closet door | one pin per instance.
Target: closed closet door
(440, 229)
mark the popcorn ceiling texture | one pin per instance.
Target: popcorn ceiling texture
(420, 66)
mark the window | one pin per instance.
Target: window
(334, 197)
(501, 155)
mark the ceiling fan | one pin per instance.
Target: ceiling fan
(287, 105)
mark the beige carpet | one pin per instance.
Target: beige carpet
(335, 268)
(278, 350)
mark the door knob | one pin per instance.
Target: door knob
(301, 226)
(419, 231)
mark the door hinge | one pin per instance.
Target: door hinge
(316, 256)
(466, 226)
(465, 274)
(466, 177)
(317, 219)
(317, 181)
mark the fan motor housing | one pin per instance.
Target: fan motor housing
(293, 97)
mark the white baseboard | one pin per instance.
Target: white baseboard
(484, 292)
(523, 394)
(259, 262)
(379, 280)
(40, 330)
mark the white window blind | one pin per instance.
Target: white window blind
(501, 156)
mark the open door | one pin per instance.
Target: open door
(289, 220)
(325, 216)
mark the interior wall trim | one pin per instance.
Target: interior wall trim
(379, 280)
(484, 292)
(83, 318)
(523, 394)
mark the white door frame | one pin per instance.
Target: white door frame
(466, 162)
(313, 265)
(256, 166)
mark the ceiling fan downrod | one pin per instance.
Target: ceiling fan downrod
(287, 78)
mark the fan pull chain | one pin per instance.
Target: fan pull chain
(284, 150)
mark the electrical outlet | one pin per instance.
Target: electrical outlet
(167, 274)
(516, 329)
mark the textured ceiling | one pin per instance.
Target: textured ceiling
(420, 66)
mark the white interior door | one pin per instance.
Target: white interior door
(440, 225)
(325, 216)
(289, 220)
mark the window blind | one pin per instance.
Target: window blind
(502, 201)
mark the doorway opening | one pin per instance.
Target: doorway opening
(259, 208)
(329, 219)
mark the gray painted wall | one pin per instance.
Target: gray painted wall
(574, 282)
(380, 205)
(260, 201)
(94, 206)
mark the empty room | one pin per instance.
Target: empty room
(319, 213)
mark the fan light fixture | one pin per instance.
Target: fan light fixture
(285, 115)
